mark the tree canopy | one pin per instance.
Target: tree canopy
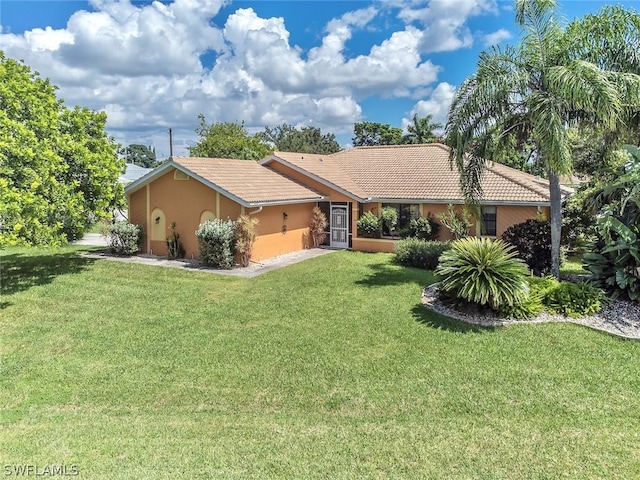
(227, 140)
(532, 92)
(140, 155)
(58, 168)
(421, 130)
(287, 138)
(371, 134)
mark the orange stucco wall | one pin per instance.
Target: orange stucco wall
(183, 202)
(511, 215)
(277, 235)
(374, 245)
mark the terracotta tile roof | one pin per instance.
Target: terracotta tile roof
(247, 180)
(420, 172)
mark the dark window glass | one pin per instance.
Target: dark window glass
(489, 223)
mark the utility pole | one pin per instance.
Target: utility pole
(170, 143)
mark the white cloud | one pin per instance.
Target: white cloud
(497, 37)
(445, 21)
(142, 64)
(437, 105)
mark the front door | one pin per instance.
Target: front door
(339, 226)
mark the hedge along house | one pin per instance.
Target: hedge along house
(189, 191)
(417, 180)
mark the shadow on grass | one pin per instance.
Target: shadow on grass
(21, 271)
(385, 274)
(427, 317)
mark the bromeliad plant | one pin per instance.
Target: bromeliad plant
(484, 272)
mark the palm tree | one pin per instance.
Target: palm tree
(533, 92)
(421, 131)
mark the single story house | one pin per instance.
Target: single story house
(282, 189)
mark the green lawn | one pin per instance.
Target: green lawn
(326, 369)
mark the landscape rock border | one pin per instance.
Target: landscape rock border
(620, 318)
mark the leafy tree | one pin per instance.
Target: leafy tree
(370, 134)
(227, 140)
(140, 155)
(58, 168)
(421, 130)
(537, 89)
(287, 138)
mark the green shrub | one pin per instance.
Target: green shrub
(532, 305)
(532, 241)
(457, 223)
(574, 299)
(414, 252)
(124, 238)
(420, 228)
(368, 226)
(389, 220)
(484, 272)
(216, 243)
(245, 236)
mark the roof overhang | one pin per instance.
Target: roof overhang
(274, 158)
(456, 201)
(168, 166)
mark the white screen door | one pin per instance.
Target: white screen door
(339, 226)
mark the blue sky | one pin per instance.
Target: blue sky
(329, 64)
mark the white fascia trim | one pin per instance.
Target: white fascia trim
(149, 177)
(287, 202)
(326, 183)
(457, 201)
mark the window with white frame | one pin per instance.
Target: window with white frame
(489, 221)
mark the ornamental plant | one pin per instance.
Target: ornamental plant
(368, 226)
(124, 238)
(484, 272)
(532, 241)
(457, 223)
(175, 249)
(216, 243)
(245, 236)
(414, 252)
(389, 218)
(318, 227)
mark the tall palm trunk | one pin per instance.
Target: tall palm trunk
(555, 195)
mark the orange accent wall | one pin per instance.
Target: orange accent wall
(228, 208)
(138, 208)
(507, 215)
(273, 238)
(374, 245)
(182, 202)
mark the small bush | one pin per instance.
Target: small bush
(124, 238)
(245, 237)
(368, 226)
(457, 223)
(420, 228)
(414, 252)
(574, 299)
(216, 243)
(532, 305)
(532, 241)
(389, 220)
(484, 272)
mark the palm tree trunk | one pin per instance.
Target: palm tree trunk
(555, 198)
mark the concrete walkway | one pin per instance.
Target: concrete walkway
(92, 239)
(253, 270)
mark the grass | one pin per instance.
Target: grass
(573, 266)
(330, 368)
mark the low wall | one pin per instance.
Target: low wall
(374, 245)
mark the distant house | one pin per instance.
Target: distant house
(282, 190)
(132, 173)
